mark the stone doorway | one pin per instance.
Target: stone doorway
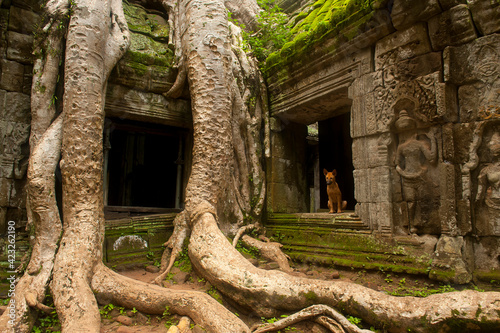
(335, 152)
(144, 167)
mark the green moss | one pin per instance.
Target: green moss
(311, 296)
(325, 19)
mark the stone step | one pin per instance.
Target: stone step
(345, 220)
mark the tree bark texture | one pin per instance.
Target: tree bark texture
(226, 190)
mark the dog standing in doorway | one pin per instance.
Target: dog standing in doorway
(334, 195)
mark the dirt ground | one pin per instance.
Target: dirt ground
(399, 284)
(121, 320)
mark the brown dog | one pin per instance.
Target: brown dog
(333, 191)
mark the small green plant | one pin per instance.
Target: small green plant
(106, 310)
(268, 320)
(215, 294)
(354, 320)
(166, 312)
(47, 322)
(251, 251)
(272, 31)
(183, 262)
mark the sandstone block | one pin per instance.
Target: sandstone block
(486, 15)
(402, 45)
(11, 75)
(33, 5)
(468, 96)
(4, 21)
(452, 27)
(27, 79)
(17, 108)
(408, 12)
(447, 143)
(358, 154)
(447, 4)
(3, 220)
(22, 20)
(361, 185)
(419, 66)
(380, 189)
(486, 252)
(446, 102)
(381, 216)
(19, 47)
(5, 189)
(18, 193)
(463, 217)
(475, 61)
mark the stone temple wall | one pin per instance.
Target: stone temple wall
(422, 82)
(17, 21)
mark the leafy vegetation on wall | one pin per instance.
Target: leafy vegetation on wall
(281, 39)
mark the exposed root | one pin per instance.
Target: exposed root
(180, 81)
(269, 292)
(243, 230)
(31, 288)
(32, 301)
(110, 287)
(330, 324)
(323, 314)
(174, 245)
(271, 251)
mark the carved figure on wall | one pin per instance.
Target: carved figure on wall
(488, 190)
(414, 154)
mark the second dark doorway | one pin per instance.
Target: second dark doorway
(335, 152)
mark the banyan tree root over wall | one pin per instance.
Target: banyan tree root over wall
(221, 80)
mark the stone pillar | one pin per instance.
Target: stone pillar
(287, 169)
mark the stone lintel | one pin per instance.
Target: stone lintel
(127, 103)
(319, 95)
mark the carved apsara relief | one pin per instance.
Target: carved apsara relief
(481, 179)
(415, 160)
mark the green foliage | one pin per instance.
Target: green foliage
(354, 320)
(403, 290)
(272, 31)
(215, 294)
(47, 322)
(183, 262)
(251, 251)
(105, 311)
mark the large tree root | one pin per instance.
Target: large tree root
(311, 313)
(173, 246)
(200, 307)
(31, 288)
(271, 251)
(268, 292)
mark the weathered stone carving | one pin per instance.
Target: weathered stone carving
(474, 67)
(416, 153)
(484, 161)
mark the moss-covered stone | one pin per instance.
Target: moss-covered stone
(149, 37)
(324, 20)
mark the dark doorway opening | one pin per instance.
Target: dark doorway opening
(145, 165)
(335, 152)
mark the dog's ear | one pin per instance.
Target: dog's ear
(334, 172)
(325, 171)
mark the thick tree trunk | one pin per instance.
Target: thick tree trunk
(81, 167)
(220, 79)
